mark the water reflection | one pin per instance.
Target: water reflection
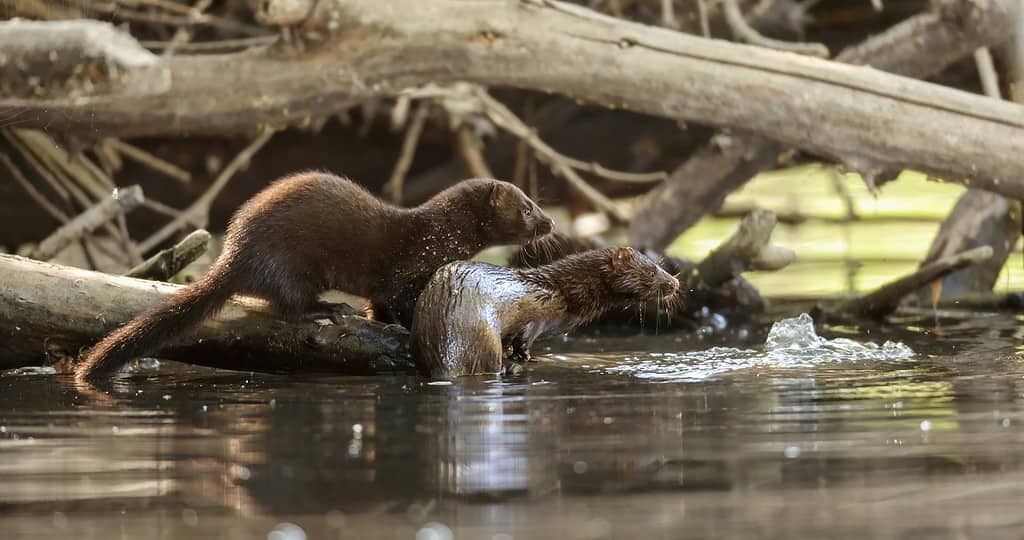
(928, 448)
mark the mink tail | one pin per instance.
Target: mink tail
(179, 313)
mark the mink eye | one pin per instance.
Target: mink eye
(528, 212)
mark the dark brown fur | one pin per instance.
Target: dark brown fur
(550, 248)
(310, 232)
(470, 313)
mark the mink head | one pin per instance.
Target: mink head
(637, 276)
(512, 218)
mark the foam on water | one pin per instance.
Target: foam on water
(791, 343)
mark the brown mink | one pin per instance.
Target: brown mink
(471, 312)
(310, 232)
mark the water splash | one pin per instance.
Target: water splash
(791, 343)
(29, 371)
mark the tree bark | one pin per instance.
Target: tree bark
(919, 47)
(369, 49)
(49, 312)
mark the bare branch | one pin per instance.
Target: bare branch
(170, 261)
(121, 201)
(365, 51)
(393, 188)
(745, 32)
(201, 208)
(141, 156)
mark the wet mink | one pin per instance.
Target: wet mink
(470, 312)
(310, 232)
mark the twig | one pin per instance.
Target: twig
(987, 73)
(121, 201)
(40, 199)
(469, 151)
(185, 19)
(50, 166)
(1015, 58)
(507, 120)
(145, 158)
(200, 209)
(183, 34)
(744, 32)
(702, 14)
(222, 45)
(393, 188)
(619, 176)
(170, 261)
(668, 14)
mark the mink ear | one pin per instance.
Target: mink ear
(620, 257)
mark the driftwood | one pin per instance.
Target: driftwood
(747, 249)
(118, 203)
(919, 47)
(886, 299)
(367, 49)
(170, 261)
(49, 312)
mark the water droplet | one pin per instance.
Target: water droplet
(608, 420)
(59, 520)
(792, 452)
(357, 429)
(114, 429)
(926, 425)
(579, 467)
(1006, 422)
(286, 531)
(190, 517)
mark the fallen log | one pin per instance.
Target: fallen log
(367, 49)
(170, 261)
(50, 312)
(919, 47)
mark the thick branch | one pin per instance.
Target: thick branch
(918, 47)
(49, 311)
(747, 249)
(170, 261)
(373, 48)
(886, 298)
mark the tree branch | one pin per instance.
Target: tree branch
(370, 49)
(918, 47)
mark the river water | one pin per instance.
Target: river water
(656, 436)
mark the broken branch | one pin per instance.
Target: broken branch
(121, 201)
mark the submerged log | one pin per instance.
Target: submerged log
(886, 299)
(50, 312)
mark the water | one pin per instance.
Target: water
(606, 437)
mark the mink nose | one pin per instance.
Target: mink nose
(668, 287)
(544, 227)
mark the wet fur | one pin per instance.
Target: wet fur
(470, 313)
(310, 232)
